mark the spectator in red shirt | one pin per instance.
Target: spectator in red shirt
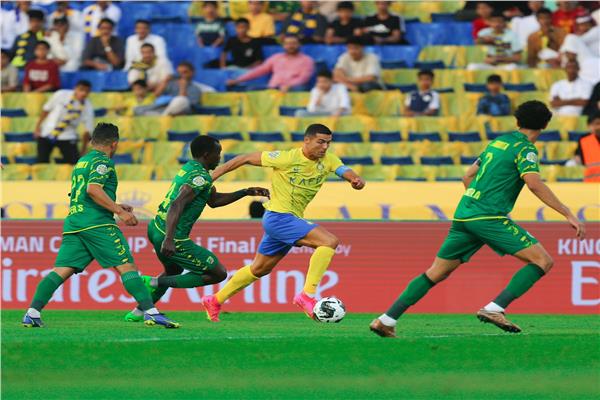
(484, 11)
(565, 15)
(41, 74)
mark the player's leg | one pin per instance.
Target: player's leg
(44, 149)
(69, 150)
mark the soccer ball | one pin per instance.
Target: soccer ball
(329, 309)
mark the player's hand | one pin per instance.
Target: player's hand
(127, 217)
(578, 225)
(126, 207)
(167, 248)
(258, 191)
(358, 183)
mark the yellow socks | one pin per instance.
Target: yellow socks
(242, 278)
(319, 262)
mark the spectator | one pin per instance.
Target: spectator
(384, 27)
(59, 121)
(133, 45)
(141, 97)
(328, 9)
(15, 23)
(289, 69)
(565, 15)
(66, 45)
(525, 26)
(262, 24)
(484, 13)
(156, 71)
(584, 47)
(504, 50)
(588, 150)
(281, 10)
(358, 70)
(63, 10)
(345, 25)
(588, 33)
(10, 74)
(245, 51)
(25, 43)
(543, 46)
(327, 98)
(6, 39)
(210, 29)
(94, 14)
(569, 96)
(593, 105)
(41, 73)
(307, 24)
(423, 101)
(256, 210)
(104, 52)
(494, 102)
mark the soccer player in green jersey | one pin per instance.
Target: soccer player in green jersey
(90, 231)
(492, 185)
(191, 190)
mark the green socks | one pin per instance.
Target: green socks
(135, 286)
(45, 290)
(189, 280)
(416, 289)
(521, 282)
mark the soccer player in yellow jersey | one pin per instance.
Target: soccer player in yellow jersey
(298, 176)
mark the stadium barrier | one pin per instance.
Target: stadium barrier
(374, 262)
(336, 200)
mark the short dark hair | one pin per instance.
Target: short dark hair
(142, 21)
(202, 145)
(36, 14)
(313, 129)
(61, 21)
(105, 134)
(498, 14)
(84, 83)
(210, 3)
(345, 5)
(425, 72)
(147, 45)
(43, 43)
(187, 64)
(494, 78)
(543, 11)
(324, 73)
(357, 40)
(139, 82)
(107, 21)
(242, 21)
(593, 116)
(533, 114)
(7, 52)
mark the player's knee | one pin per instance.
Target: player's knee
(546, 263)
(331, 241)
(259, 270)
(219, 273)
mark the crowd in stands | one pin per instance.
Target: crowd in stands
(39, 46)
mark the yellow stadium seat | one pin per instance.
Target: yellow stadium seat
(5, 124)
(285, 125)
(559, 150)
(351, 149)
(436, 124)
(150, 127)
(447, 54)
(31, 102)
(162, 152)
(415, 173)
(405, 76)
(390, 124)
(295, 99)
(381, 103)
(386, 173)
(133, 147)
(232, 100)
(26, 149)
(450, 172)
(549, 172)
(234, 124)
(261, 103)
(420, 10)
(108, 100)
(134, 172)
(449, 78)
(355, 123)
(166, 172)
(51, 172)
(16, 172)
(574, 173)
(186, 123)
(399, 149)
(23, 124)
(471, 54)
(304, 122)
(124, 123)
(480, 76)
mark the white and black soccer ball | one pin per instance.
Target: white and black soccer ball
(329, 309)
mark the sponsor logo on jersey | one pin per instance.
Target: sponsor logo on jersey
(198, 181)
(102, 169)
(531, 157)
(274, 154)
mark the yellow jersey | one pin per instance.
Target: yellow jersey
(296, 179)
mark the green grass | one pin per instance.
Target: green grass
(93, 355)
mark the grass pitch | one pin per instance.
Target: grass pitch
(94, 355)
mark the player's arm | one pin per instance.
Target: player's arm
(99, 196)
(236, 162)
(347, 174)
(542, 191)
(222, 199)
(186, 195)
(471, 173)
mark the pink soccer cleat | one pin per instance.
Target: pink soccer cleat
(306, 303)
(212, 307)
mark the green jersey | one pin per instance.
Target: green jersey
(95, 168)
(194, 175)
(494, 190)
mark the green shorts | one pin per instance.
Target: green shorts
(105, 244)
(188, 254)
(465, 238)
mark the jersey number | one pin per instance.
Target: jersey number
(488, 158)
(77, 186)
(165, 204)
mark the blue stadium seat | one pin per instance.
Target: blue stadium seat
(205, 110)
(226, 135)
(4, 160)
(69, 79)
(419, 136)
(297, 136)
(100, 112)
(402, 160)
(182, 136)
(203, 55)
(266, 136)
(438, 64)
(230, 29)
(357, 160)
(422, 35)
(289, 111)
(464, 136)
(408, 54)
(385, 137)
(475, 87)
(321, 52)
(403, 88)
(171, 11)
(550, 136)
(26, 160)
(271, 49)
(393, 64)
(520, 87)
(574, 136)
(467, 160)
(459, 33)
(545, 161)
(115, 81)
(347, 137)
(181, 41)
(19, 137)
(125, 158)
(445, 90)
(442, 17)
(13, 112)
(228, 157)
(443, 160)
(212, 77)
(137, 10)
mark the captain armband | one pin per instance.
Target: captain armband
(341, 170)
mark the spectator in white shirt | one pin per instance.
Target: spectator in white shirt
(63, 10)
(425, 100)
(327, 98)
(142, 36)
(569, 96)
(95, 13)
(66, 45)
(17, 22)
(357, 69)
(156, 71)
(59, 121)
(5, 30)
(584, 47)
(525, 26)
(504, 48)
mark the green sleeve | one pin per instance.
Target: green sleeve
(100, 170)
(527, 160)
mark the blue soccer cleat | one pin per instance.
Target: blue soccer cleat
(30, 322)
(160, 319)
